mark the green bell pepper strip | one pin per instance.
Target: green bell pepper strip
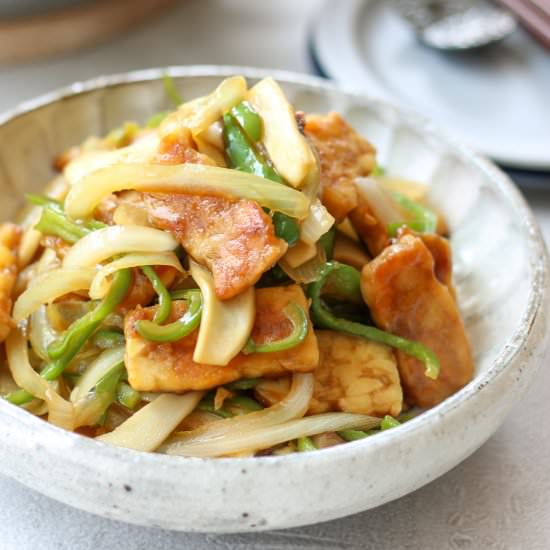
(108, 339)
(243, 384)
(154, 121)
(19, 397)
(389, 422)
(77, 334)
(378, 170)
(165, 300)
(123, 135)
(326, 242)
(105, 390)
(179, 329)
(241, 152)
(249, 119)
(421, 226)
(171, 90)
(353, 435)
(109, 381)
(243, 156)
(419, 211)
(207, 405)
(286, 228)
(298, 318)
(323, 318)
(127, 396)
(53, 220)
(344, 285)
(54, 223)
(305, 445)
(46, 202)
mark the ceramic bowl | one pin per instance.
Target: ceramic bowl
(501, 277)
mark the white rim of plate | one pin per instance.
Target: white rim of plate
(336, 25)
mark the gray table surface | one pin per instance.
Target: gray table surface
(499, 498)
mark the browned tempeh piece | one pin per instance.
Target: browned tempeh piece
(368, 227)
(10, 235)
(440, 249)
(406, 298)
(234, 238)
(170, 367)
(343, 155)
(354, 375)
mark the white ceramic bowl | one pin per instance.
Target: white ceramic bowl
(501, 276)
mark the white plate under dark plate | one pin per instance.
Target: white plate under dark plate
(495, 99)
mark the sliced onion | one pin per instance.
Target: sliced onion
(318, 222)
(90, 409)
(385, 210)
(308, 271)
(151, 425)
(60, 411)
(117, 239)
(41, 333)
(141, 150)
(48, 286)
(225, 325)
(287, 147)
(182, 178)
(206, 148)
(130, 214)
(299, 254)
(294, 405)
(347, 229)
(100, 284)
(47, 261)
(214, 135)
(89, 405)
(7, 383)
(30, 241)
(97, 369)
(189, 445)
(198, 114)
(36, 407)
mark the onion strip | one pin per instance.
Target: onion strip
(100, 285)
(384, 208)
(143, 149)
(48, 286)
(316, 224)
(60, 411)
(85, 195)
(151, 425)
(117, 239)
(293, 406)
(308, 271)
(97, 369)
(198, 114)
(41, 333)
(225, 325)
(188, 445)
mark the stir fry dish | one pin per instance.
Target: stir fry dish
(231, 278)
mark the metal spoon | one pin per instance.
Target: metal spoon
(457, 24)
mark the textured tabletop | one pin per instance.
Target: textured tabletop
(499, 498)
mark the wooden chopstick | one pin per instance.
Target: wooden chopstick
(534, 15)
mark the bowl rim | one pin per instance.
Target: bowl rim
(537, 256)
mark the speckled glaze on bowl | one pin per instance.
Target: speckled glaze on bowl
(501, 276)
